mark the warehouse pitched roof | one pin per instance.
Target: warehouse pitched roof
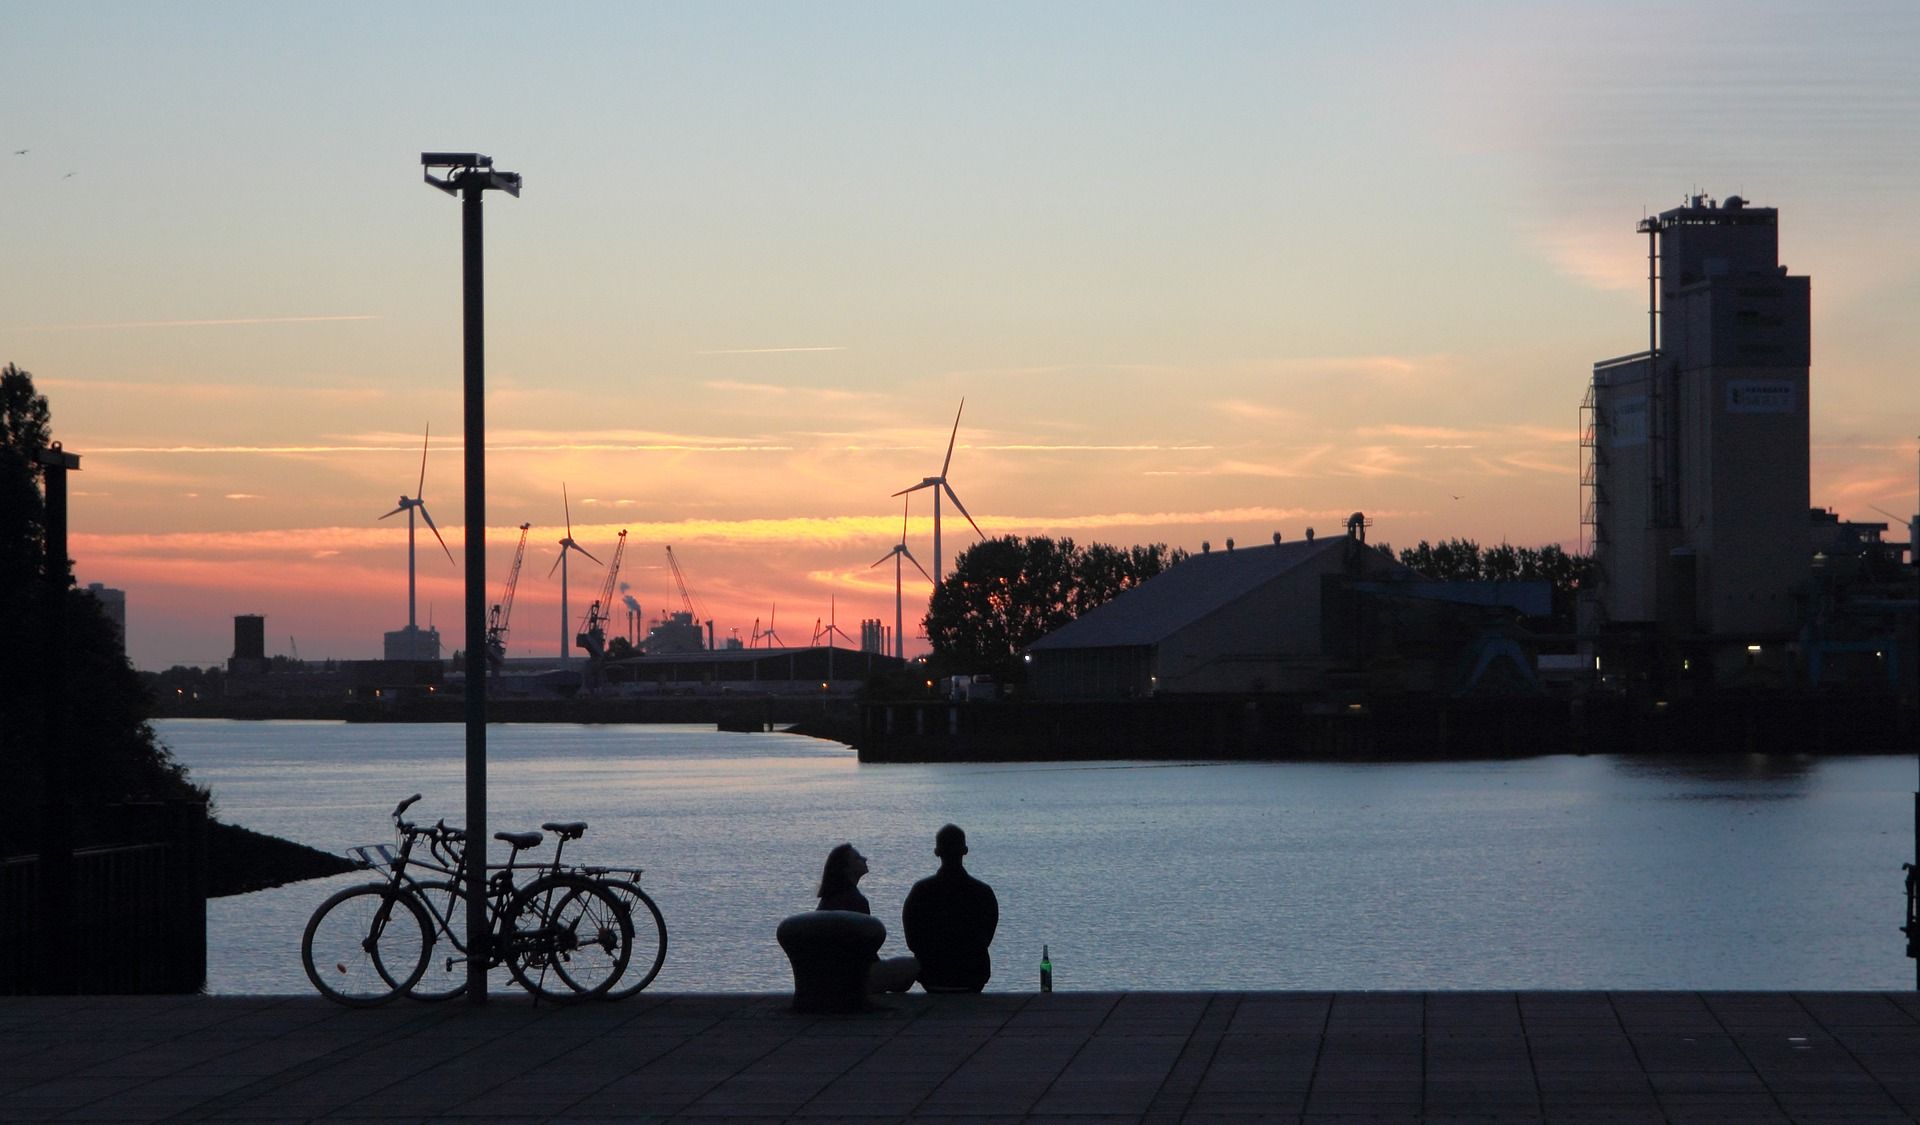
(1182, 594)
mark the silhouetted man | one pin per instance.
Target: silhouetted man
(950, 917)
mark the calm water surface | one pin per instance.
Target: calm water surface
(1555, 872)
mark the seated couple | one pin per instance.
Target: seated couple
(949, 918)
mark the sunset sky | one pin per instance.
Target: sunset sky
(1199, 271)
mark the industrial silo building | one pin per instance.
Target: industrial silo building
(1695, 451)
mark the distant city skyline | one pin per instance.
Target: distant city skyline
(1200, 273)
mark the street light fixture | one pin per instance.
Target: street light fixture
(470, 170)
(470, 176)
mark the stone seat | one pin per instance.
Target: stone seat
(830, 951)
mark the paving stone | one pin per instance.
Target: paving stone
(1063, 1057)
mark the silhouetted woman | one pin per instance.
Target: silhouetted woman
(839, 890)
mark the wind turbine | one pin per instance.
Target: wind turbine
(939, 484)
(560, 564)
(772, 634)
(833, 612)
(409, 504)
(899, 552)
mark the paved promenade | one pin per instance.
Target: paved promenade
(1062, 1057)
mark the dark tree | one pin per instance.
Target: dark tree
(114, 755)
(23, 434)
(1462, 560)
(1006, 593)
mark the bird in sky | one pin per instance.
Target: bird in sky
(21, 151)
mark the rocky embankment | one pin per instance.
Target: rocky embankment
(240, 860)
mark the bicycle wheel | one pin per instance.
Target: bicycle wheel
(566, 939)
(649, 938)
(445, 975)
(366, 945)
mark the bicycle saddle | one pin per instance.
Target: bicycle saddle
(571, 830)
(519, 840)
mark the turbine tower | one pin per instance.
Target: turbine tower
(410, 504)
(560, 564)
(900, 551)
(939, 484)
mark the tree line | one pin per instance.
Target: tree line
(1004, 594)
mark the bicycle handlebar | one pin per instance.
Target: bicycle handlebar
(404, 805)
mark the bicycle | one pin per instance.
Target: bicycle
(649, 943)
(367, 944)
(647, 947)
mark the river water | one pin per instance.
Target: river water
(1744, 872)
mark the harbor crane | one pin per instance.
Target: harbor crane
(503, 609)
(593, 634)
(693, 611)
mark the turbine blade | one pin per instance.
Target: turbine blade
(950, 439)
(396, 511)
(586, 552)
(421, 488)
(556, 562)
(885, 557)
(436, 533)
(903, 518)
(928, 483)
(916, 564)
(963, 509)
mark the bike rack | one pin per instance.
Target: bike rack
(373, 855)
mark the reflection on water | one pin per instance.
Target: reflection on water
(1721, 767)
(1554, 872)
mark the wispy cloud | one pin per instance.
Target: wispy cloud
(214, 548)
(1287, 464)
(200, 391)
(1144, 369)
(264, 449)
(244, 496)
(1374, 461)
(1176, 519)
(771, 351)
(825, 394)
(221, 323)
(1389, 367)
(525, 442)
(1260, 468)
(1063, 447)
(1877, 485)
(1540, 463)
(1257, 411)
(1428, 433)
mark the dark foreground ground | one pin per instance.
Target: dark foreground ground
(1061, 1057)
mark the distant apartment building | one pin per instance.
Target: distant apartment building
(412, 643)
(249, 645)
(1695, 451)
(114, 604)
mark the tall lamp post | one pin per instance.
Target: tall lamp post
(470, 176)
(54, 969)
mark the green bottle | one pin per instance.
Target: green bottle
(1046, 970)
